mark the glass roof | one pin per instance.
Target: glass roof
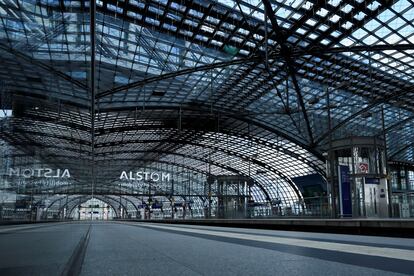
(210, 87)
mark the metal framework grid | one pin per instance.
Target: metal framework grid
(200, 88)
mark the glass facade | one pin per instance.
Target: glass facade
(402, 180)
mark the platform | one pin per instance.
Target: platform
(381, 227)
(131, 248)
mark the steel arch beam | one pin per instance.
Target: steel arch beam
(354, 49)
(363, 110)
(267, 196)
(225, 151)
(106, 196)
(287, 53)
(42, 66)
(268, 167)
(401, 150)
(226, 131)
(400, 123)
(183, 72)
(56, 200)
(81, 199)
(174, 141)
(229, 114)
(226, 167)
(85, 198)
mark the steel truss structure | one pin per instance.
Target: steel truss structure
(197, 89)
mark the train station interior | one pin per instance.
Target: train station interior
(119, 116)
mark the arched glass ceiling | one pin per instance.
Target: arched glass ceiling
(134, 149)
(176, 80)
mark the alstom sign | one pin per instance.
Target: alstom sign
(145, 176)
(39, 172)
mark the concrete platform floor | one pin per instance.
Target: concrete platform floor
(126, 248)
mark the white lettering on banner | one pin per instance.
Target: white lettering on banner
(155, 176)
(165, 177)
(66, 173)
(49, 171)
(146, 176)
(57, 173)
(14, 172)
(27, 173)
(123, 175)
(41, 172)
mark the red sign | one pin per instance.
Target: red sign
(363, 167)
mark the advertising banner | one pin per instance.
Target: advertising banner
(345, 191)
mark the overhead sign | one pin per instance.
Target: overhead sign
(145, 176)
(39, 172)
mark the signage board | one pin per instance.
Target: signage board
(145, 176)
(39, 172)
(345, 199)
(363, 167)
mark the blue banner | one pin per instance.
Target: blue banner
(369, 180)
(345, 191)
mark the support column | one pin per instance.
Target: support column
(92, 7)
(331, 159)
(387, 169)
